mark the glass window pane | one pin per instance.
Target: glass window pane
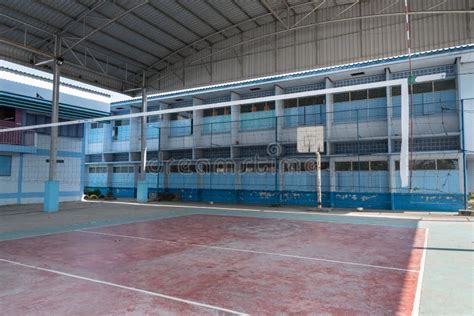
(341, 97)
(447, 164)
(359, 95)
(379, 165)
(424, 165)
(343, 166)
(423, 87)
(396, 91)
(377, 93)
(291, 103)
(362, 166)
(443, 85)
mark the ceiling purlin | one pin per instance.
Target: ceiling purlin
(221, 14)
(198, 17)
(177, 22)
(106, 49)
(245, 12)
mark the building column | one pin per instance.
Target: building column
(327, 136)
(332, 181)
(197, 126)
(164, 127)
(51, 187)
(235, 121)
(142, 186)
(391, 160)
(279, 112)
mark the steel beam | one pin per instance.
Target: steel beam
(54, 111)
(153, 76)
(121, 15)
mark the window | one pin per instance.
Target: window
(7, 114)
(443, 85)
(97, 169)
(290, 103)
(5, 166)
(97, 125)
(152, 119)
(419, 165)
(396, 91)
(379, 165)
(358, 95)
(342, 97)
(185, 168)
(123, 169)
(257, 107)
(309, 165)
(377, 93)
(447, 164)
(217, 112)
(423, 87)
(262, 167)
(181, 116)
(361, 166)
(121, 123)
(343, 166)
(316, 100)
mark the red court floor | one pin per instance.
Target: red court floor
(205, 264)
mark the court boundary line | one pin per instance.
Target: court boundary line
(419, 285)
(264, 210)
(276, 254)
(156, 294)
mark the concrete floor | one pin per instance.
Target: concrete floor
(448, 278)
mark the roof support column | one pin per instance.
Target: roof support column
(142, 186)
(51, 187)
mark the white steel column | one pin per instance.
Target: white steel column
(51, 187)
(279, 111)
(328, 132)
(54, 115)
(143, 146)
(142, 186)
(197, 125)
(235, 118)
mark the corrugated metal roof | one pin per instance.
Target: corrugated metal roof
(160, 33)
(301, 74)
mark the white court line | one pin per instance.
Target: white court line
(419, 285)
(315, 213)
(177, 299)
(253, 251)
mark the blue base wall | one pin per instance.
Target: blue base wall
(401, 201)
(428, 202)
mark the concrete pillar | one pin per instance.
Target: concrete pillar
(332, 180)
(142, 186)
(327, 135)
(279, 112)
(388, 76)
(197, 123)
(51, 186)
(329, 116)
(391, 160)
(235, 118)
(164, 127)
(392, 180)
(235, 127)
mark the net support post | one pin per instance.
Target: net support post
(142, 191)
(318, 180)
(51, 196)
(142, 185)
(51, 187)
